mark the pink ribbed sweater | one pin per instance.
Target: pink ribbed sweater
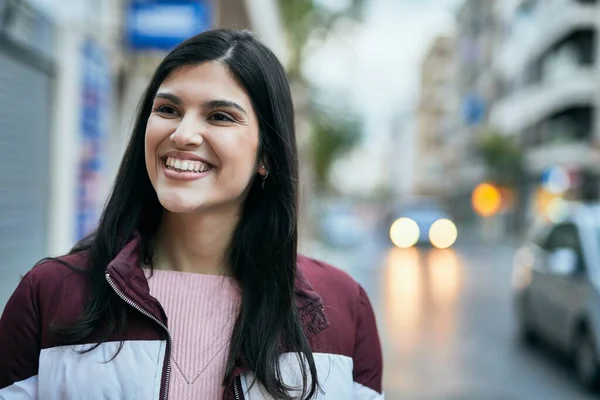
(201, 312)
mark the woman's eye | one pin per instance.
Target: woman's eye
(221, 117)
(165, 109)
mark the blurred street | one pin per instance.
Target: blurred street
(447, 327)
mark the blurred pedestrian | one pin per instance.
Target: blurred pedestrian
(191, 287)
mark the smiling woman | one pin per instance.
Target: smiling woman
(191, 286)
(199, 123)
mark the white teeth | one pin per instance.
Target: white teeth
(187, 165)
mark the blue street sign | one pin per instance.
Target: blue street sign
(473, 109)
(163, 24)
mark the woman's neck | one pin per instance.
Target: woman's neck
(194, 243)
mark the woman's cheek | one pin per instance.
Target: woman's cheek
(155, 132)
(157, 127)
(235, 147)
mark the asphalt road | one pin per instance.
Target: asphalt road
(447, 328)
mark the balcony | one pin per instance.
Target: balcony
(537, 32)
(563, 138)
(577, 50)
(530, 105)
(574, 154)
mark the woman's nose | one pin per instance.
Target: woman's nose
(190, 133)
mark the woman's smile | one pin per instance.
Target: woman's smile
(183, 168)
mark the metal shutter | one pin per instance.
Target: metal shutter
(24, 165)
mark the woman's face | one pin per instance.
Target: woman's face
(201, 140)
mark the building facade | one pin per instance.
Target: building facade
(547, 68)
(433, 113)
(474, 91)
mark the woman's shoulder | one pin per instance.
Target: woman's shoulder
(312, 267)
(51, 269)
(329, 281)
(54, 275)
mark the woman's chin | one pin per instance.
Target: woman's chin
(176, 204)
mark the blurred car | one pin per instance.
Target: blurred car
(556, 281)
(423, 223)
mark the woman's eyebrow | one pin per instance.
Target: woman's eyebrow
(224, 103)
(168, 96)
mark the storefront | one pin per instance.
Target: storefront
(26, 91)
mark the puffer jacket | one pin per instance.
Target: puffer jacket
(335, 312)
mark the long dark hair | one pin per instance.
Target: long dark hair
(263, 253)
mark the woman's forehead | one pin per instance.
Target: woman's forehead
(204, 79)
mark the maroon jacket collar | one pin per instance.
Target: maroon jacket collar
(128, 276)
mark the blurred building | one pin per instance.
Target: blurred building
(28, 69)
(435, 105)
(71, 75)
(547, 64)
(402, 155)
(58, 63)
(474, 91)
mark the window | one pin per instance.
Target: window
(571, 53)
(565, 236)
(569, 125)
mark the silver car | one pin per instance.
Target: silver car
(556, 280)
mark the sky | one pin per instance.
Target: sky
(382, 56)
(375, 67)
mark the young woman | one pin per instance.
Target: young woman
(191, 287)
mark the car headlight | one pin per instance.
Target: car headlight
(443, 233)
(404, 233)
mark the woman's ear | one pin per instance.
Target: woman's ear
(262, 169)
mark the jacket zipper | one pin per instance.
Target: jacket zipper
(236, 390)
(146, 313)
